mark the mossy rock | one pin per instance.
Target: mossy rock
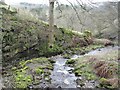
(89, 76)
(22, 80)
(21, 85)
(80, 66)
(52, 61)
(105, 83)
(78, 72)
(87, 33)
(14, 68)
(71, 61)
(67, 56)
(39, 70)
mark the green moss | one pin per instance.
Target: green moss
(21, 79)
(105, 84)
(23, 63)
(83, 69)
(14, 68)
(14, 19)
(44, 23)
(26, 67)
(52, 61)
(80, 66)
(36, 82)
(66, 31)
(91, 47)
(49, 67)
(21, 85)
(89, 75)
(67, 56)
(87, 33)
(78, 72)
(71, 61)
(39, 70)
(55, 49)
(22, 76)
(103, 80)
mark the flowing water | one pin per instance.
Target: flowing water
(62, 75)
(103, 50)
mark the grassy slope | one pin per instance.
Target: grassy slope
(26, 37)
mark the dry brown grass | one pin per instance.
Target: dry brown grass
(92, 59)
(99, 64)
(102, 69)
(114, 82)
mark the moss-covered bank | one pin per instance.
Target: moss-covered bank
(102, 67)
(30, 72)
(26, 37)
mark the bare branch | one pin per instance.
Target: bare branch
(80, 22)
(81, 5)
(59, 6)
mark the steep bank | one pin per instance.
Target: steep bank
(25, 37)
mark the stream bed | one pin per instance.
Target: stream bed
(62, 75)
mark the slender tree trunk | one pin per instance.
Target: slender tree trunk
(51, 22)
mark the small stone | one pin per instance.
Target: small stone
(30, 86)
(66, 81)
(99, 49)
(82, 84)
(47, 79)
(38, 77)
(80, 78)
(78, 86)
(92, 81)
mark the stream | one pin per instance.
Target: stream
(62, 76)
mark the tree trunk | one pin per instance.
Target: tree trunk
(51, 23)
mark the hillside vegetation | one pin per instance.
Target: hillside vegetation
(26, 53)
(24, 36)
